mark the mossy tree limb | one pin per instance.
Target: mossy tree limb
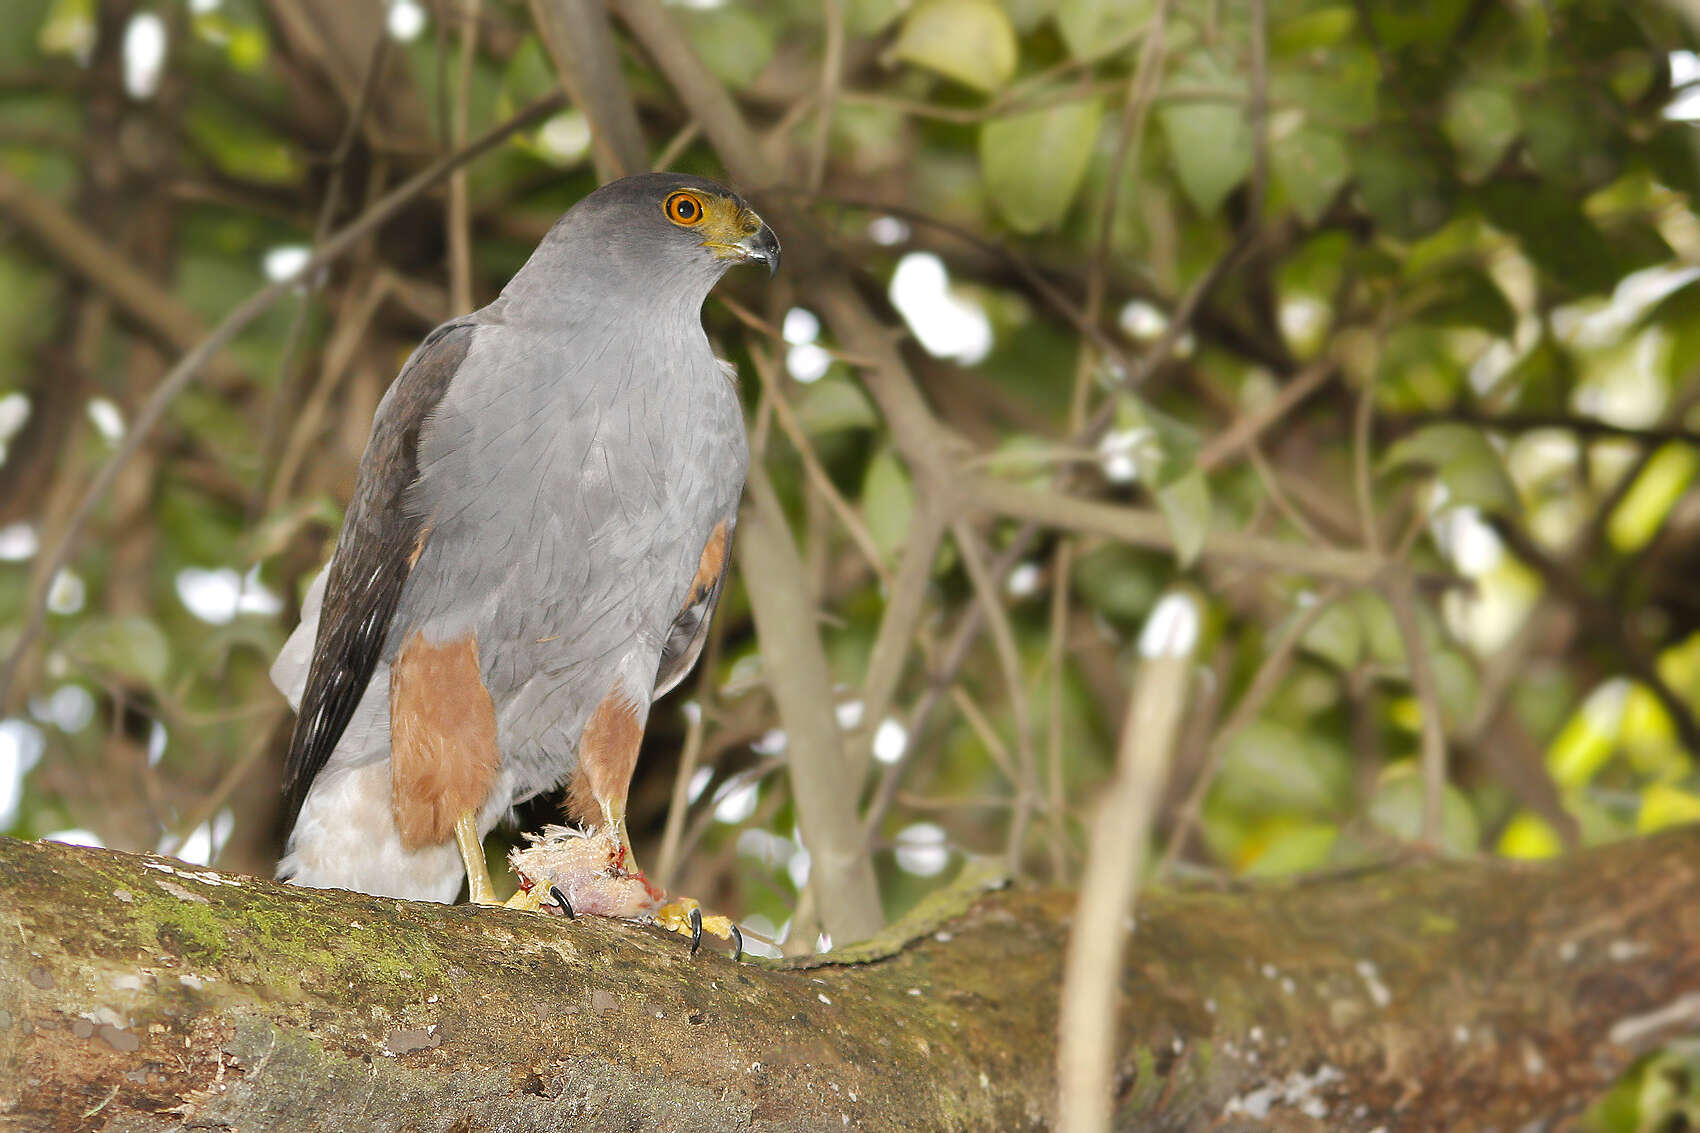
(142, 994)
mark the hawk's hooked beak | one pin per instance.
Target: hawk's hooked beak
(763, 247)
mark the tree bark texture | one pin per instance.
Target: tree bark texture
(142, 994)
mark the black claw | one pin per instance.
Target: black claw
(561, 900)
(737, 945)
(696, 930)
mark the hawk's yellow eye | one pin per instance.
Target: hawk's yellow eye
(684, 208)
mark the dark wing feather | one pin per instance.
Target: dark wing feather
(374, 555)
(690, 629)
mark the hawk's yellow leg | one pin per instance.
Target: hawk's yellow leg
(682, 914)
(479, 889)
(617, 823)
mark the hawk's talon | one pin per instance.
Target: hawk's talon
(526, 899)
(561, 900)
(684, 916)
(737, 943)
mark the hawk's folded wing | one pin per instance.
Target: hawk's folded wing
(376, 551)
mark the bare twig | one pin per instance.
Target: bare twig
(786, 415)
(795, 668)
(1401, 596)
(831, 77)
(292, 338)
(578, 37)
(681, 801)
(903, 606)
(459, 218)
(1015, 682)
(338, 357)
(1245, 430)
(1263, 684)
(1129, 140)
(1147, 528)
(1086, 1013)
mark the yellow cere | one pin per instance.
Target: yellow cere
(722, 221)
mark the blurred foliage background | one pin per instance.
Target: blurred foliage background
(1390, 312)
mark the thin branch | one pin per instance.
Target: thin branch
(1148, 528)
(1245, 430)
(578, 37)
(1087, 1009)
(1401, 596)
(1015, 682)
(1263, 684)
(1527, 422)
(831, 78)
(292, 338)
(459, 217)
(339, 356)
(689, 754)
(1363, 479)
(786, 415)
(903, 605)
(794, 665)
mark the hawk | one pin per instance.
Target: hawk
(538, 537)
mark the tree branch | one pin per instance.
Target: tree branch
(162, 991)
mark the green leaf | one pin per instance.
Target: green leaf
(69, 28)
(1405, 187)
(1649, 501)
(1119, 581)
(1311, 164)
(129, 647)
(1293, 848)
(834, 403)
(1399, 24)
(1543, 380)
(1271, 767)
(1339, 86)
(1210, 141)
(870, 17)
(1319, 28)
(1678, 315)
(1555, 233)
(1034, 163)
(1088, 26)
(1336, 636)
(528, 76)
(1463, 295)
(1665, 804)
(1481, 121)
(970, 41)
(1186, 505)
(1673, 154)
(1397, 808)
(735, 42)
(1357, 627)
(1571, 136)
(1463, 460)
(1456, 683)
(888, 502)
(1025, 15)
